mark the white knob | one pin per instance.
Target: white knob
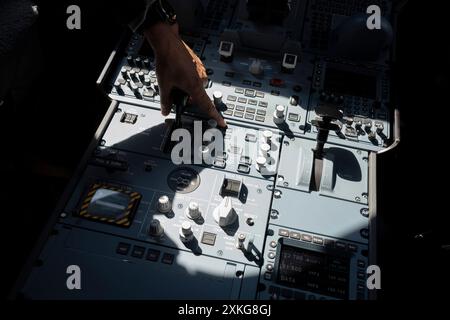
(217, 95)
(193, 211)
(256, 67)
(260, 163)
(186, 233)
(164, 204)
(224, 214)
(267, 135)
(264, 148)
(278, 115)
(240, 241)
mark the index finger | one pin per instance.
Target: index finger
(201, 98)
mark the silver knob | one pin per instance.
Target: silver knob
(164, 204)
(193, 211)
(186, 233)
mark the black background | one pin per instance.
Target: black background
(45, 141)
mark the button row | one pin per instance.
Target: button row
(139, 252)
(316, 240)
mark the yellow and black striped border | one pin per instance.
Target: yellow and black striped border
(127, 218)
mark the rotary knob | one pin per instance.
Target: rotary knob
(225, 214)
(261, 163)
(278, 115)
(164, 204)
(264, 149)
(155, 229)
(193, 211)
(186, 233)
(217, 96)
(256, 67)
(267, 136)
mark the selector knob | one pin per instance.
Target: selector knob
(164, 204)
(217, 95)
(264, 149)
(155, 229)
(124, 72)
(260, 163)
(225, 214)
(256, 67)
(267, 135)
(193, 211)
(278, 115)
(186, 233)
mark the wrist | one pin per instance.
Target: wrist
(159, 35)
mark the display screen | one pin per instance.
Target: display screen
(350, 83)
(109, 204)
(313, 271)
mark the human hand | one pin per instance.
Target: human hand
(177, 66)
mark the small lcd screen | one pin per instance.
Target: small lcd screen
(108, 204)
(313, 271)
(350, 83)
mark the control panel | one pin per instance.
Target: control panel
(278, 205)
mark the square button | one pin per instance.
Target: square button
(240, 108)
(138, 252)
(228, 112)
(295, 235)
(243, 168)
(251, 110)
(232, 98)
(260, 118)
(123, 248)
(242, 100)
(306, 237)
(261, 112)
(250, 93)
(260, 94)
(283, 233)
(239, 90)
(167, 258)
(263, 104)
(239, 114)
(209, 238)
(294, 117)
(230, 106)
(249, 116)
(152, 255)
(252, 102)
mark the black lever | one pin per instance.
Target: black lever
(180, 99)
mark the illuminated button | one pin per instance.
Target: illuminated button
(250, 110)
(252, 102)
(295, 235)
(240, 108)
(260, 118)
(242, 100)
(271, 255)
(239, 114)
(138, 252)
(276, 82)
(153, 255)
(318, 240)
(249, 116)
(167, 258)
(123, 248)
(263, 104)
(283, 233)
(269, 267)
(273, 244)
(232, 98)
(260, 94)
(306, 237)
(239, 91)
